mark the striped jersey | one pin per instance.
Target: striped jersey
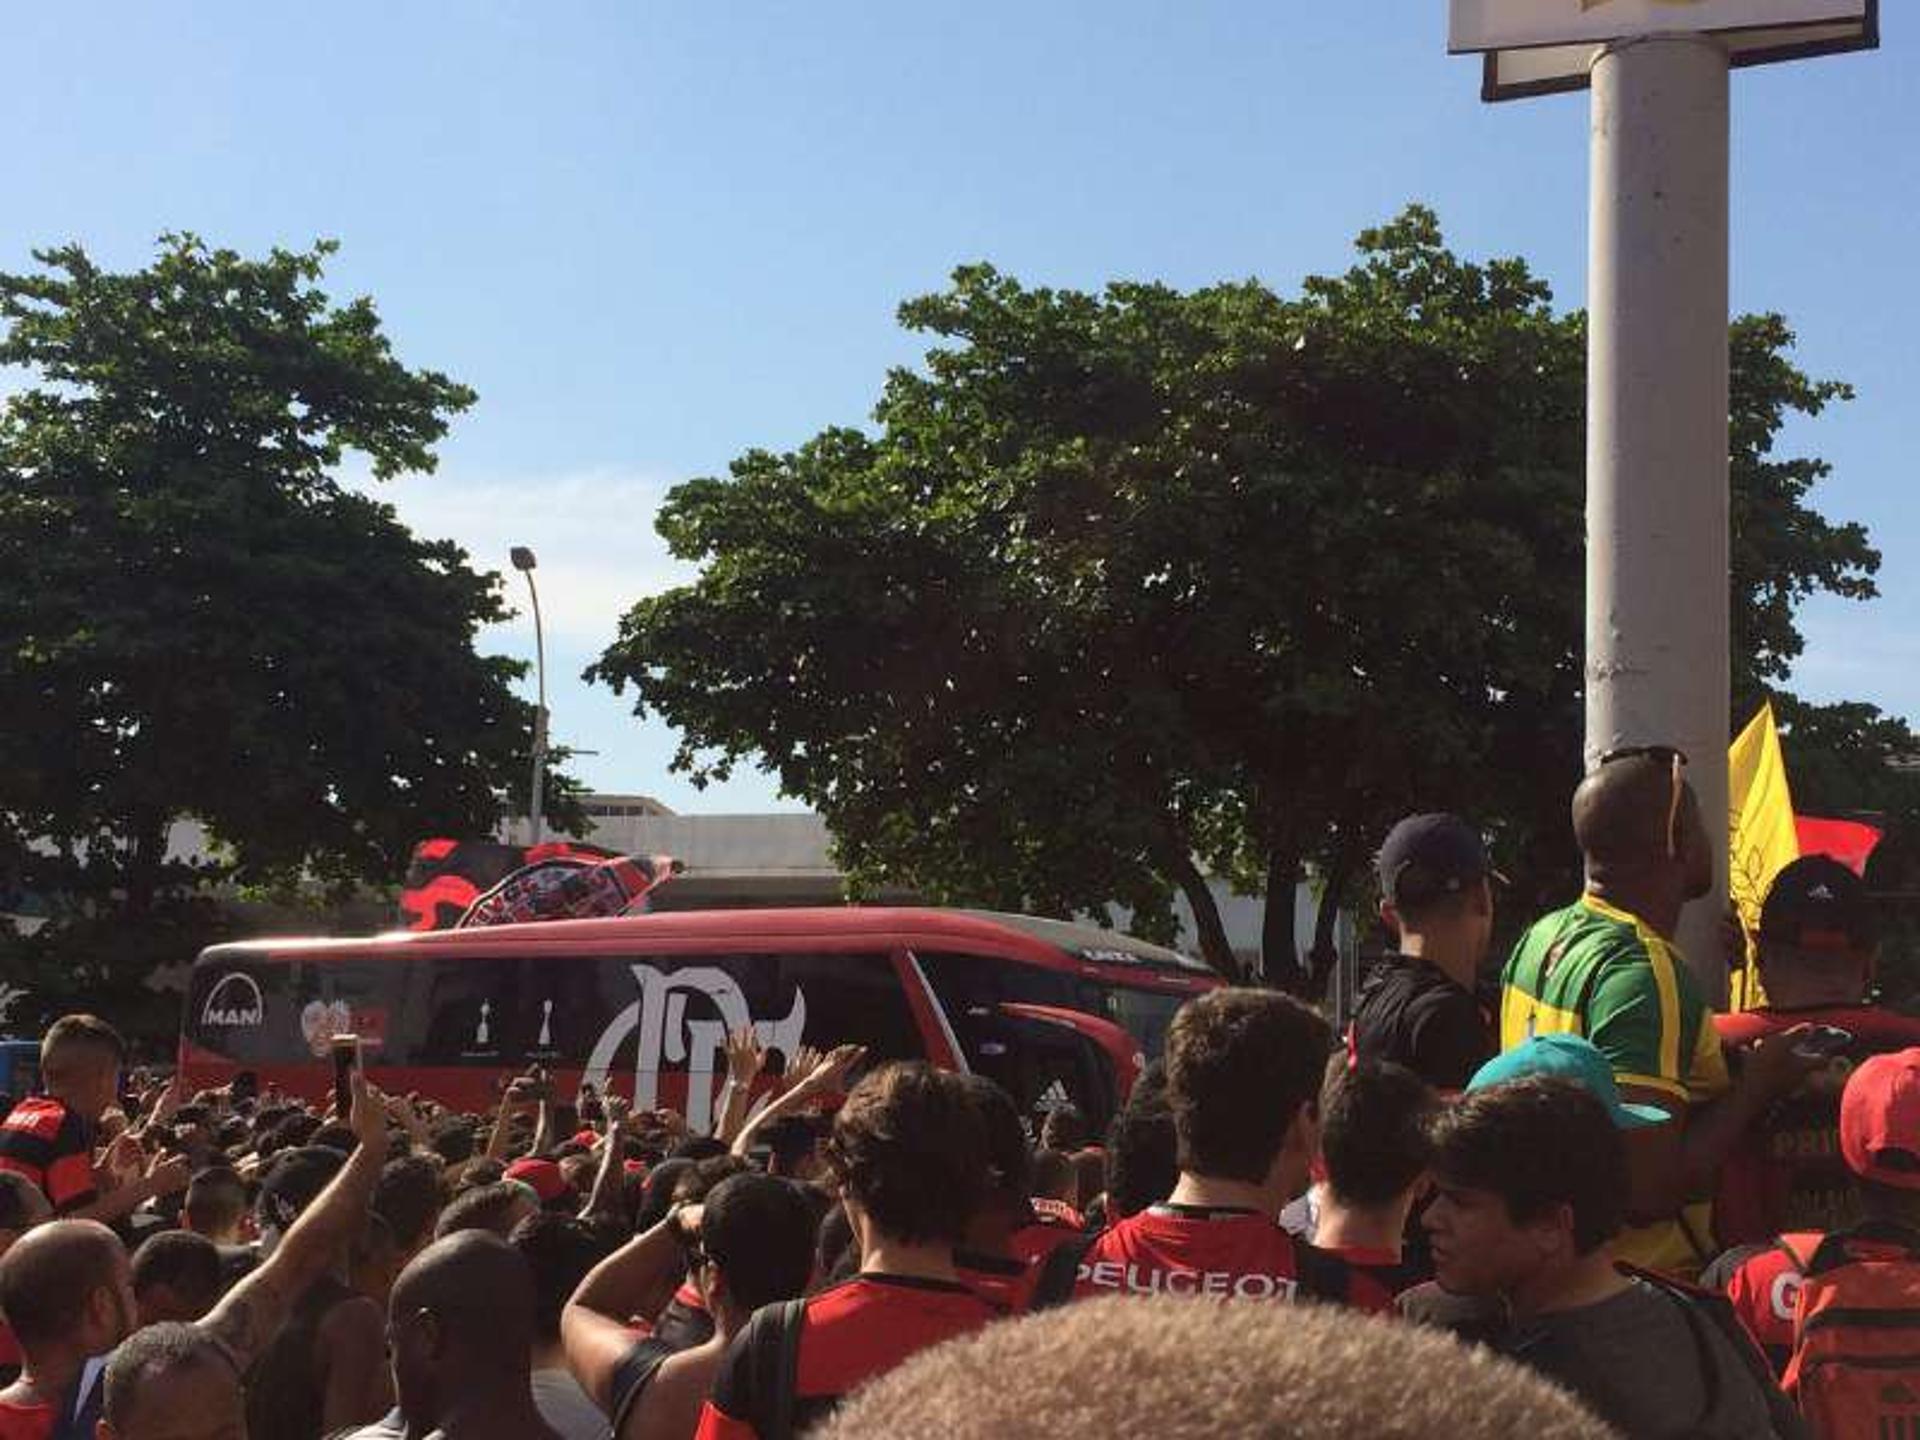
(52, 1146)
(1596, 971)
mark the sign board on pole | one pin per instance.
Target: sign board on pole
(1539, 47)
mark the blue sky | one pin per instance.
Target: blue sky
(655, 235)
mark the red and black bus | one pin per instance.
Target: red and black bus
(642, 1004)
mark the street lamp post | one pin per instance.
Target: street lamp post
(523, 561)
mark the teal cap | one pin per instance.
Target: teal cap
(1568, 1057)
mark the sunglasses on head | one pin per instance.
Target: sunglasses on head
(1676, 760)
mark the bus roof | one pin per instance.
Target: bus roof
(1086, 943)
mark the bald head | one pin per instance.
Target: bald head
(1183, 1369)
(462, 1317)
(67, 1283)
(1620, 812)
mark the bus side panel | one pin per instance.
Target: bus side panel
(454, 1026)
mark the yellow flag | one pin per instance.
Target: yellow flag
(1763, 838)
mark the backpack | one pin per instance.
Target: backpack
(773, 1361)
(1855, 1369)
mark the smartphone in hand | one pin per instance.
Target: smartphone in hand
(346, 1057)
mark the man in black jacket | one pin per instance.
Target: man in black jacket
(1418, 1007)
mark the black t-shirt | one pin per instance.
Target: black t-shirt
(1413, 1015)
(634, 1374)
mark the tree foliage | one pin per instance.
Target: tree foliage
(201, 620)
(1125, 585)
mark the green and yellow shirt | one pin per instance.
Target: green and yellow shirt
(1599, 972)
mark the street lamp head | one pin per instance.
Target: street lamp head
(522, 557)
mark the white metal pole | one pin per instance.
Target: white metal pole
(540, 718)
(1658, 635)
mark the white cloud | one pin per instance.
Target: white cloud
(591, 530)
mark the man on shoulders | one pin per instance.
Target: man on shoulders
(1418, 1007)
(49, 1138)
(1606, 968)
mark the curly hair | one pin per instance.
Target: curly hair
(1184, 1369)
(910, 1148)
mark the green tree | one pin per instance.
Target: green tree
(200, 620)
(1125, 585)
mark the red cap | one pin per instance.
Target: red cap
(543, 1177)
(588, 1138)
(1880, 1119)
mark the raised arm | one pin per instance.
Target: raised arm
(635, 1279)
(609, 1185)
(253, 1310)
(826, 1078)
(745, 1060)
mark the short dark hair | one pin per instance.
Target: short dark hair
(148, 1355)
(452, 1138)
(1065, 1128)
(483, 1208)
(909, 1147)
(335, 1135)
(1054, 1171)
(75, 1032)
(289, 1132)
(760, 1230)
(1373, 1129)
(1424, 910)
(1538, 1143)
(407, 1196)
(21, 1203)
(1007, 1151)
(1143, 1162)
(698, 1147)
(703, 1175)
(1241, 1065)
(216, 1199)
(186, 1263)
(559, 1250)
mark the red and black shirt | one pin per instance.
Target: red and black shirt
(685, 1323)
(848, 1335)
(53, 1147)
(1221, 1251)
(1787, 1173)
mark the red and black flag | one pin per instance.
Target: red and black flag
(445, 877)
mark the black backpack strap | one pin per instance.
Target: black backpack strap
(773, 1360)
(1059, 1273)
(1321, 1274)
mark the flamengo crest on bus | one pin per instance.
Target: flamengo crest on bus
(1542, 47)
(234, 1002)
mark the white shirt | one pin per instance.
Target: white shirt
(567, 1408)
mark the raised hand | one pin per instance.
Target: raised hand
(169, 1174)
(368, 1115)
(745, 1056)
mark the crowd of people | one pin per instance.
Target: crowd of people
(1586, 1206)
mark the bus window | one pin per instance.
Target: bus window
(472, 1012)
(1145, 1014)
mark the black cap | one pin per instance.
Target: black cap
(295, 1181)
(1428, 857)
(1816, 903)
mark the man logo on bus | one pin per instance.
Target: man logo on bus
(234, 1003)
